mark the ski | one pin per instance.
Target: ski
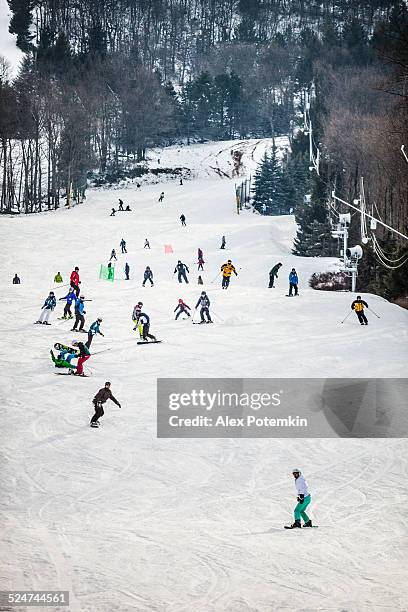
(150, 342)
(295, 528)
(69, 374)
(201, 322)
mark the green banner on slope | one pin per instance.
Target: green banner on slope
(107, 273)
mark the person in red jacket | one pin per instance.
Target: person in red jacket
(74, 280)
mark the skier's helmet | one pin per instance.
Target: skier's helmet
(180, 301)
(51, 293)
(77, 269)
(359, 297)
(229, 261)
(107, 384)
(82, 297)
(75, 343)
(99, 320)
(296, 471)
(203, 293)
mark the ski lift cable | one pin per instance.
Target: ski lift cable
(384, 255)
(384, 263)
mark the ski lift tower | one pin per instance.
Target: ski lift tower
(350, 256)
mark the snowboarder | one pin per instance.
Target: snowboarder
(127, 270)
(123, 245)
(58, 278)
(112, 213)
(161, 197)
(120, 205)
(274, 274)
(113, 255)
(70, 297)
(181, 269)
(16, 280)
(358, 306)
(227, 269)
(200, 280)
(148, 276)
(204, 303)
(182, 308)
(64, 358)
(136, 314)
(303, 499)
(100, 398)
(84, 355)
(183, 220)
(146, 244)
(223, 243)
(79, 314)
(293, 282)
(93, 330)
(47, 309)
(74, 280)
(144, 327)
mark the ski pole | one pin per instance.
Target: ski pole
(371, 310)
(347, 316)
(103, 351)
(192, 318)
(216, 277)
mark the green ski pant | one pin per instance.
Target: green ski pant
(300, 509)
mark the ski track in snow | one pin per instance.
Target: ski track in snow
(129, 522)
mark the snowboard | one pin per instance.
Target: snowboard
(296, 528)
(150, 342)
(63, 347)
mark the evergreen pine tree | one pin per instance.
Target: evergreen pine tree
(269, 190)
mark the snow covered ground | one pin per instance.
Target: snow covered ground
(126, 521)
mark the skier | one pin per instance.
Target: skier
(223, 243)
(181, 181)
(148, 276)
(113, 255)
(161, 197)
(182, 308)
(120, 205)
(64, 358)
(201, 263)
(146, 244)
(58, 278)
(303, 499)
(136, 314)
(16, 280)
(79, 314)
(200, 280)
(111, 271)
(70, 297)
(183, 220)
(200, 254)
(112, 213)
(47, 308)
(93, 330)
(204, 303)
(128, 209)
(358, 306)
(144, 327)
(138, 185)
(123, 245)
(227, 269)
(127, 270)
(181, 272)
(84, 355)
(100, 398)
(293, 282)
(274, 274)
(74, 280)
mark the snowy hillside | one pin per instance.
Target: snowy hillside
(126, 521)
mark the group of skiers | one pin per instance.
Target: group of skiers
(293, 279)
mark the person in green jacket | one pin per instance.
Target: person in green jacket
(58, 278)
(274, 274)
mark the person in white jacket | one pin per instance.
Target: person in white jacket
(303, 499)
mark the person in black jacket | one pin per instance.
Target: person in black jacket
(100, 398)
(358, 306)
(181, 272)
(16, 280)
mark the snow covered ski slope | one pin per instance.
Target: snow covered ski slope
(126, 521)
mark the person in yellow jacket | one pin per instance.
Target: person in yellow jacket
(358, 307)
(58, 278)
(227, 269)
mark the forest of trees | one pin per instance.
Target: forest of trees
(102, 81)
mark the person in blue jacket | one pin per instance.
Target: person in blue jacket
(79, 314)
(148, 276)
(70, 297)
(293, 282)
(47, 308)
(93, 330)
